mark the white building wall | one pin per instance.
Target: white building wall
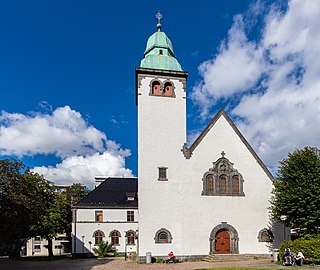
(113, 219)
(177, 204)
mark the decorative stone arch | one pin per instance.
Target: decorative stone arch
(172, 85)
(115, 231)
(130, 237)
(98, 232)
(265, 235)
(98, 236)
(234, 239)
(222, 169)
(152, 83)
(163, 231)
(115, 235)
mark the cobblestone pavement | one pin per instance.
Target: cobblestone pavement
(120, 264)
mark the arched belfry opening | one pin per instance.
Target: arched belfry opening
(224, 239)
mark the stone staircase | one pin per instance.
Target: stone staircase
(235, 257)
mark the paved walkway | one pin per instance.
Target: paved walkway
(120, 264)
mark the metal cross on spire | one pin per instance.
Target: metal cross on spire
(223, 154)
(159, 16)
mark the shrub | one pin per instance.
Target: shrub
(309, 247)
(104, 249)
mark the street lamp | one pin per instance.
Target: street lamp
(283, 219)
(82, 244)
(125, 246)
(90, 245)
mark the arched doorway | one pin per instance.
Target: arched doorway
(222, 243)
(224, 239)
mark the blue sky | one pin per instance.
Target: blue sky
(67, 77)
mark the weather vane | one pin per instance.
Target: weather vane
(159, 16)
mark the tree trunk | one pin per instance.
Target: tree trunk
(50, 247)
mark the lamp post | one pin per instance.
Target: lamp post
(90, 245)
(82, 244)
(125, 245)
(283, 219)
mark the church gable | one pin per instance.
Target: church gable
(188, 151)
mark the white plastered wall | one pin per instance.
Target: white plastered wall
(177, 204)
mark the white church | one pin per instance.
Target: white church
(208, 198)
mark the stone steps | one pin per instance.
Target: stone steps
(235, 257)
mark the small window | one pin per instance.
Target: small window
(37, 248)
(163, 173)
(156, 88)
(265, 235)
(130, 216)
(130, 237)
(37, 239)
(115, 237)
(160, 52)
(168, 89)
(99, 216)
(210, 183)
(163, 236)
(98, 236)
(130, 196)
(223, 184)
(235, 184)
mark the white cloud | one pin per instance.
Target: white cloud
(85, 151)
(83, 168)
(277, 77)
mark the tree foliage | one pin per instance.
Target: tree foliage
(296, 192)
(24, 196)
(104, 249)
(76, 192)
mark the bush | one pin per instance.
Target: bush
(309, 247)
(104, 249)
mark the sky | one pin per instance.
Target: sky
(67, 78)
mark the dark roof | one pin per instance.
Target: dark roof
(112, 193)
(211, 124)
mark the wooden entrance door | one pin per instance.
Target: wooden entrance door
(222, 242)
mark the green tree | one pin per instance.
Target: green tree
(57, 219)
(24, 197)
(104, 248)
(76, 192)
(296, 192)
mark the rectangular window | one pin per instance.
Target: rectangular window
(163, 173)
(99, 216)
(37, 248)
(37, 240)
(130, 216)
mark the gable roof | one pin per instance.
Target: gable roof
(188, 150)
(112, 193)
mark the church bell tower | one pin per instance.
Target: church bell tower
(161, 101)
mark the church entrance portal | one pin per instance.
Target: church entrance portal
(222, 242)
(224, 239)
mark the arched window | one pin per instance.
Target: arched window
(265, 235)
(115, 237)
(98, 236)
(222, 179)
(156, 88)
(163, 236)
(130, 237)
(210, 183)
(235, 184)
(167, 89)
(223, 186)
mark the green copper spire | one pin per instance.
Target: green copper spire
(159, 52)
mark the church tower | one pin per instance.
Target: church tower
(161, 101)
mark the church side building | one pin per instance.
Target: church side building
(211, 197)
